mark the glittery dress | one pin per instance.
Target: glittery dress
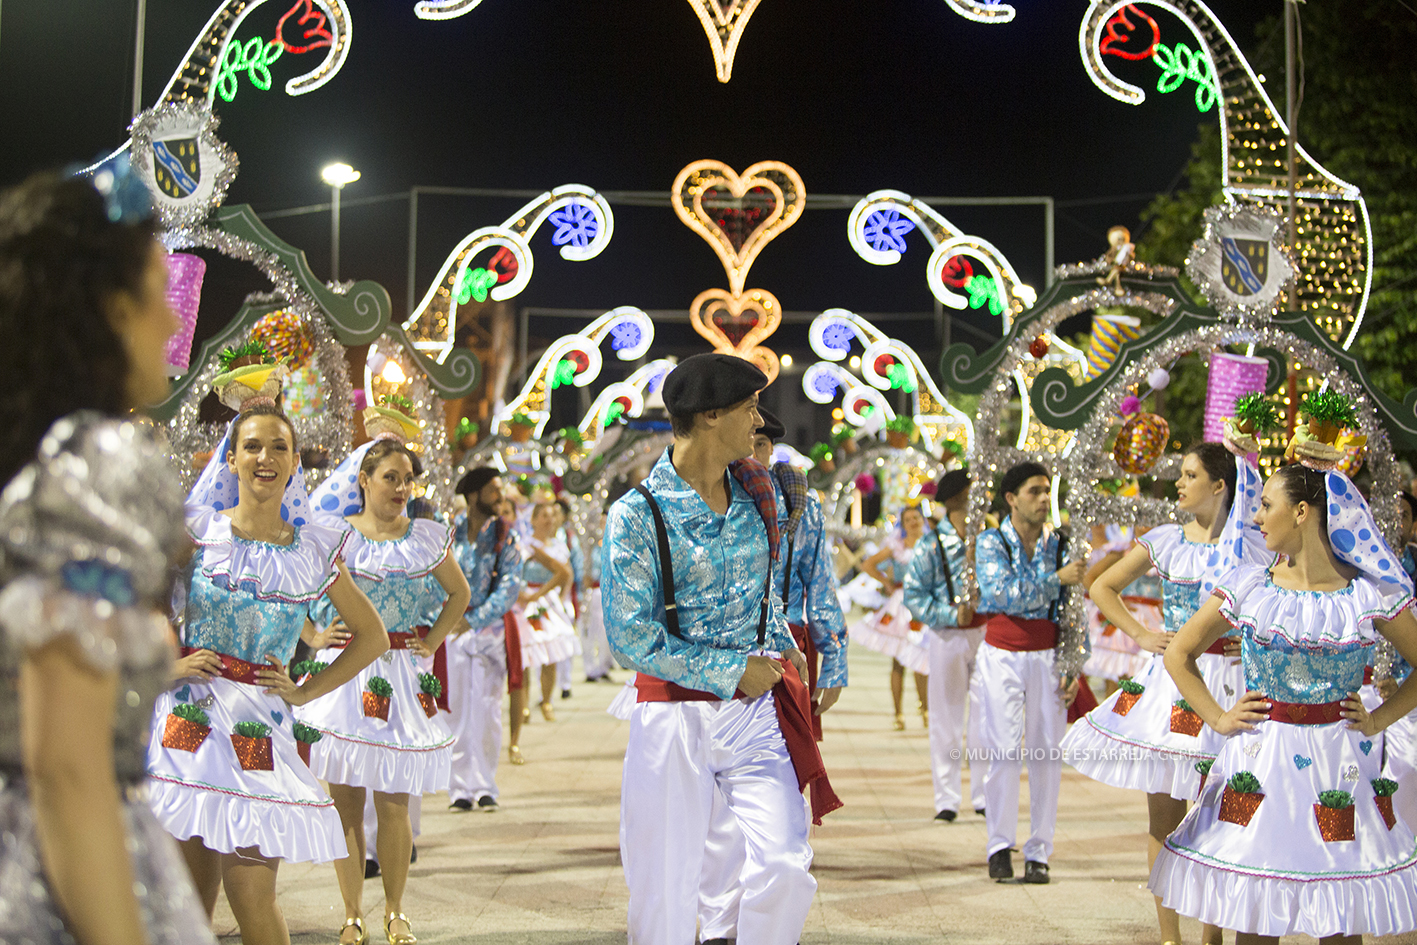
(553, 629)
(246, 599)
(86, 534)
(408, 752)
(890, 629)
(1289, 870)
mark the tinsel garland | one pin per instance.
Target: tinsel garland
(332, 427)
(1090, 461)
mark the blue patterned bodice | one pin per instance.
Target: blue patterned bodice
(402, 602)
(1179, 603)
(1285, 672)
(237, 623)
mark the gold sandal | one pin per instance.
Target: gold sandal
(358, 923)
(548, 712)
(899, 722)
(515, 756)
(399, 938)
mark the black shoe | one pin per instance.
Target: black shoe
(947, 816)
(715, 941)
(1035, 872)
(461, 803)
(371, 869)
(1001, 865)
(565, 693)
(979, 811)
(413, 855)
(487, 803)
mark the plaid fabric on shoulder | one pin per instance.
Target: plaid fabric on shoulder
(754, 476)
(794, 487)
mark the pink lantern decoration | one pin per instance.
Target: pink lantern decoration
(1230, 376)
(184, 297)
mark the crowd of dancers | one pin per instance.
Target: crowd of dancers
(342, 654)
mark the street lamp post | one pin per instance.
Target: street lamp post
(336, 175)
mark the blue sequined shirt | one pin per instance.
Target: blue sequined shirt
(812, 572)
(720, 566)
(926, 590)
(489, 601)
(1010, 582)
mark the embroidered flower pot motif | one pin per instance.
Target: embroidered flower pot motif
(1335, 823)
(253, 753)
(1237, 808)
(429, 703)
(184, 734)
(1385, 808)
(1185, 720)
(376, 706)
(1127, 697)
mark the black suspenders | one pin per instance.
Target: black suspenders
(666, 571)
(945, 563)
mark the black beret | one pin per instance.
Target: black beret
(951, 484)
(710, 382)
(475, 479)
(772, 427)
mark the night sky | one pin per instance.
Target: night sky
(901, 94)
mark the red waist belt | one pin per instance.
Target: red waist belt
(398, 639)
(1014, 633)
(1299, 713)
(233, 667)
(1367, 675)
(794, 714)
(1218, 647)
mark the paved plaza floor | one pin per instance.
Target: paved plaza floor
(545, 868)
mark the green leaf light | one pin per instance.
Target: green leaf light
(900, 378)
(565, 373)
(615, 411)
(1178, 63)
(475, 284)
(983, 290)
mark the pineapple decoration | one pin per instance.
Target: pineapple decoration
(392, 417)
(248, 371)
(1142, 439)
(1253, 415)
(1324, 442)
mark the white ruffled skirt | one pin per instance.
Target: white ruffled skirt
(553, 636)
(409, 753)
(1278, 874)
(284, 812)
(893, 632)
(1145, 747)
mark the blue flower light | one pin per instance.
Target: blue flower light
(886, 229)
(575, 224)
(625, 335)
(838, 337)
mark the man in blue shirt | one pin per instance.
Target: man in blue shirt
(814, 616)
(689, 606)
(487, 551)
(935, 592)
(1023, 703)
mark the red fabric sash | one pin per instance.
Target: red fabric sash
(1019, 635)
(1298, 713)
(398, 639)
(809, 650)
(794, 714)
(512, 639)
(232, 667)
(1218, 647)
(1367, 675)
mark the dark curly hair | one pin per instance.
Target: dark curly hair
(62, 261)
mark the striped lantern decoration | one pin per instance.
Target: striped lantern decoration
(1108, 334)
(1230, 376)
(184, 297)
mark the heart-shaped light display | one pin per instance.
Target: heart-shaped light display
(738, 214)
(735, 323)
(723, 22)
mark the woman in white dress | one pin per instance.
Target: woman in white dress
(553, 629)
(382, 730)
(1294, 831)
(891, 630)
